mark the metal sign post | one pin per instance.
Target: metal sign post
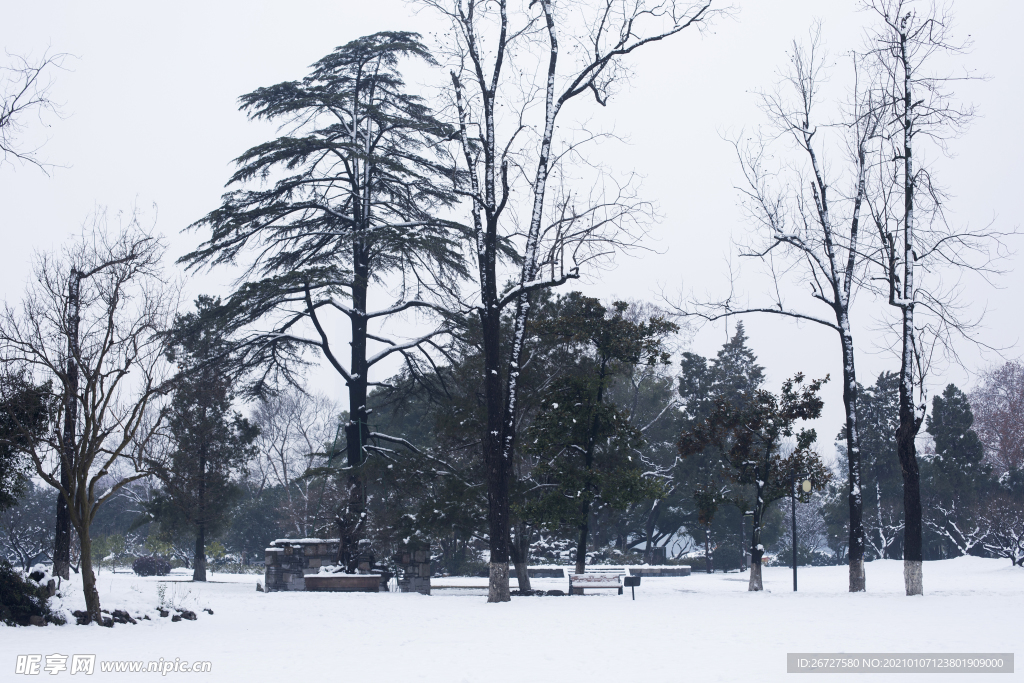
(632, 582)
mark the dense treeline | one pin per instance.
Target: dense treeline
(614, 461)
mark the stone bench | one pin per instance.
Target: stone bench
(600, 578)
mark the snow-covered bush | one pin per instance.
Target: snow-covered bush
(22, 600)
(151, 565)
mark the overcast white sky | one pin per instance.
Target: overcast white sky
(152, 120)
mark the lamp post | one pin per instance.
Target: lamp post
(806, 486)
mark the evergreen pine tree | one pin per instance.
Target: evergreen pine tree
(587, 447)
(881, 481)
(210, 440)
(956, 478)
(733, 376)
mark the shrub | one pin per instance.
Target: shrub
(727, 557)
(23, 601)
(151, 565)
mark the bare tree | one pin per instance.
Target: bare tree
(811, 528)
(25, 93)
(907, 206)
(806, 207)
(1002, 518)
(113, 377)
(515, 68)
(998, 405)
(296, 431)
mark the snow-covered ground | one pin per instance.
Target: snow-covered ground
(697, 628)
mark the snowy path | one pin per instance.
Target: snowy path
(698, 628)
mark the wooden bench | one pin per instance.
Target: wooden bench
(597, 577)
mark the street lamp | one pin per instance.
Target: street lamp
(805, 485)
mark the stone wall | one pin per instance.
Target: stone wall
(671, 570)
(415, 571)
(289, 560)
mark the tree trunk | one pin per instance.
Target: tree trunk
(92, 596)
(62, 531)
(913, 547)
(756, 549)
(858, 578)
(199, 564)
(755, 583)
(582, 538)
(709, 563)
(520, 550)
(652, 522)
(62, 534)
(496, 468)
(511, 394)
(522, 576)
(588, 461)
(357, 431)
(199, 561)
(581, 544)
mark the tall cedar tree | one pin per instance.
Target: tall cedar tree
(347, 202)
(732, 376)
(589, 452)
(752, 435)
(210, 441)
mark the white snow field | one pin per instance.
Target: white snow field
(698, 628)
